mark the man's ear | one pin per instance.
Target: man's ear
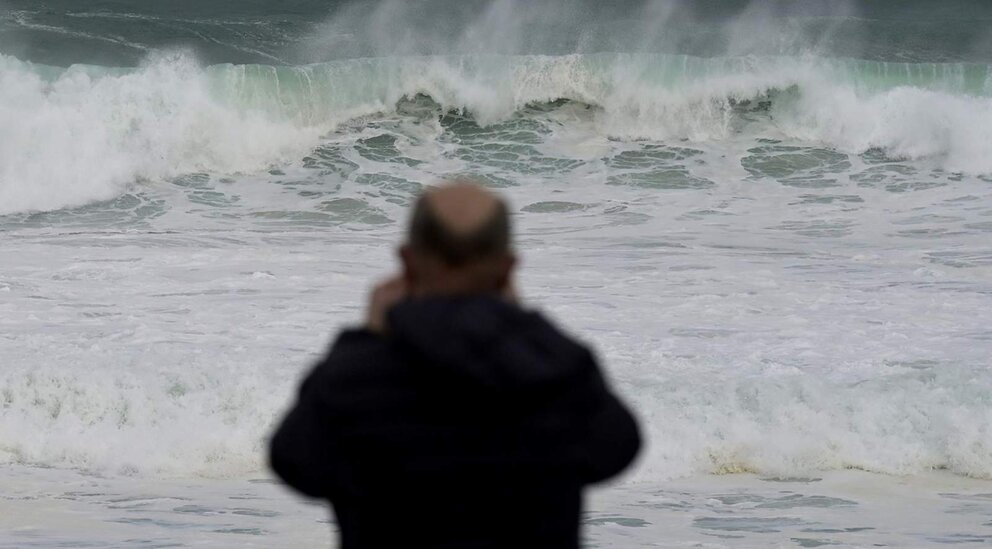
(507, 266)
(511, 263)
(406, 259)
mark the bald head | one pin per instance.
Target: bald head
(461, 207)
(460, 223)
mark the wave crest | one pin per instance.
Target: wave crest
(84, 134)
(71, 136)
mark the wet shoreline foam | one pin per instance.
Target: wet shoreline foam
(49, 508)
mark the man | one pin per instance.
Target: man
(454, 418)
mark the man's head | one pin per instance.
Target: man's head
(459, 242)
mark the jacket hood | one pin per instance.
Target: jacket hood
(485, 341)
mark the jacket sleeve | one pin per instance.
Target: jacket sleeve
(611, 438)
(303, 451)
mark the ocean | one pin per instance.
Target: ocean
(771, 219)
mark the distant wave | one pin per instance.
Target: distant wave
(73, 136)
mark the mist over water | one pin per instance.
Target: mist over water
(122, 33)
(771, 218)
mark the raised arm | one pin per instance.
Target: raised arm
(301, 452)
(304, 451)
(610, 436)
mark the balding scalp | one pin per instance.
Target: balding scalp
(460, 223)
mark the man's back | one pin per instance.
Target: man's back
(469, 423)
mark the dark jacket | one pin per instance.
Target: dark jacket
(472, 424)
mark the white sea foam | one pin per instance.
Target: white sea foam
(199, 419)
(792, 425)
(170, 355)
(211, 419)
(906, 122)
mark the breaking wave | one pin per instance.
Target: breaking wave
(197, 421)
(85, 133)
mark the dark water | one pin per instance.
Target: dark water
(123, 32)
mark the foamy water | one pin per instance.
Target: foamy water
(773, 306)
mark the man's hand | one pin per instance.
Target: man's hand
(384, 296)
